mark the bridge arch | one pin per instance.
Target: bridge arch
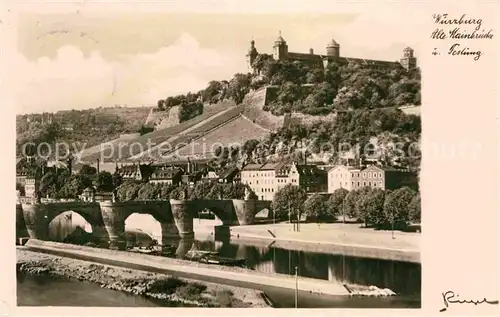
(116, 213)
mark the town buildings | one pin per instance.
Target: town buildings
(341, 177)
(332, 54)
(266, 179)
(374, 176)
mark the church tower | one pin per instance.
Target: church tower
(409, 61)
(251, 56)
(280, 48)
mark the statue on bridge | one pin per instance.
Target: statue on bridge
(247, 194)
(38, 197)
(184, 194)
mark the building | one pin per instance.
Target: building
(140, 172)
(386, 178)
(88, 194)
(342, 177)
(374, 176)
(21, 178)
(309, 177)
(266, 179)
(166, 175)
(230, 175)
(332, 54)
(31, 187)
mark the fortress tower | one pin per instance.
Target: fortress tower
(280, 48)
(409, 61)
(251, 56)
(333, 49)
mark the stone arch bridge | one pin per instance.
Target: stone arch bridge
(108, 218)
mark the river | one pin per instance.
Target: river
(402, 277)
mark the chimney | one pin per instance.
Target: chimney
(311, 51)
(189, 166)
(97, 166)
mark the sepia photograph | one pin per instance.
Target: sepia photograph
(244, 160)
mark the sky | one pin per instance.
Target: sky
(79, 60)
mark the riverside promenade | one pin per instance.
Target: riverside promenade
(347, 239)
(186, 269)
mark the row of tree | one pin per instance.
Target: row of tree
(61, 183)
(133, 190)
(372, 206)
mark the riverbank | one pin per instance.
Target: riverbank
(338, 238)
(179, 292)
(233, 276)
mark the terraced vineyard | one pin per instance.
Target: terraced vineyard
(235, 132)
(123, 149)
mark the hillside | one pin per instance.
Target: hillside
(125, 149)
(233, 133)
(90, 127)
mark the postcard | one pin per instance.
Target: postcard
(277, 157)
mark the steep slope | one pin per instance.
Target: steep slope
(232, 133)
(123, 149)
(254, 102)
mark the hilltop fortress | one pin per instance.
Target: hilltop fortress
(280, 52)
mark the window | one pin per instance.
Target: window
(364, 174)
(380, 174)
(370, 175)
(364, 183)
(380, 184)
(358, 184)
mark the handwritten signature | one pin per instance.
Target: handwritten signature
(451, 298)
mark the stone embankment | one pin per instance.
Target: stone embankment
(173, 291)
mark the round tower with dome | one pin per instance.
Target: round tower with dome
(333, 49)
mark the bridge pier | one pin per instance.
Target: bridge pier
(169, 231)
(36, 220)
(114, 224)
(245, 211)
(183, 218)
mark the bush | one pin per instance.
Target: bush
(166, 286)
(224, 298)
(191, 291)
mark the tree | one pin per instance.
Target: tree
(128, 191)
(239, 86)
(372, 207)
(315, 206)
(414, 209)
(361, 204)
(396, 206)
(335, 203)
(190, 110)
(20, 188)
(88, 170)
(161, 104)
(104, 181)
(289, 199)
(148, 191)
(72, 188)
(48, 184)
(350, 204)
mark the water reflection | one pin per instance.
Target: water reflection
(402, 277)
